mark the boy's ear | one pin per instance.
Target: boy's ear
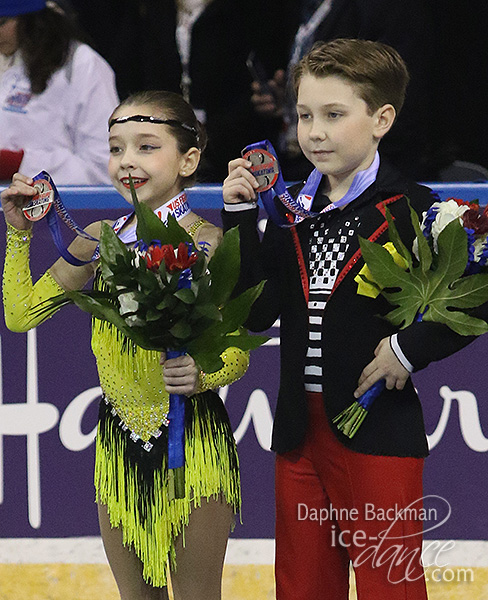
(189, 162)
(385, 117)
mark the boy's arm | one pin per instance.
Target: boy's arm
(257, 257)
(409, 350)
(426, 342)
(257, 264)
(415, 347)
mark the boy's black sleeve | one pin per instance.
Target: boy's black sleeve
(426, 342)
(258, 263)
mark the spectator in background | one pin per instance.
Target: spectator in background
(403, 24)
(460, 73)
(56, 94)
(198, 48)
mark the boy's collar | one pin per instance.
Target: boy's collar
(361, 182)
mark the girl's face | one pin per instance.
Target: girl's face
(8, 36)
(149, 152)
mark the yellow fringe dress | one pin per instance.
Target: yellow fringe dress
(131, 476)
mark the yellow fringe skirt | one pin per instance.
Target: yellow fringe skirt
(133, 482)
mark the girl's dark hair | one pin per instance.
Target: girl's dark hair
(45, 39)
(173, 106)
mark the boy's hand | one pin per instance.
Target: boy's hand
(384, 366)
(240, 185)
(17, 195)
(180, 374)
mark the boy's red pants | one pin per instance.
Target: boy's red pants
(334, 506)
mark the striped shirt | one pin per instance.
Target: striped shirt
(329, 243)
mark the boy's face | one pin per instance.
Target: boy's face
(335, 130)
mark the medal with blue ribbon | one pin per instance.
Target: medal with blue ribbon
(48, 196)
(296, 209)
(41, 205)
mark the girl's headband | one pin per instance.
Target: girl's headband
(148, 119)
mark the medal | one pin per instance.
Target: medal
(40, 204)
(265, 168)
(298, 208)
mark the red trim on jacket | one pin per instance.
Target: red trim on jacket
(301, 261)
(352, 261)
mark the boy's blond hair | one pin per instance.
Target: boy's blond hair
(377, 70)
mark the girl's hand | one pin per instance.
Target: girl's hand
(384, 366)
(240, 185)
(17, 195)
(180, 374)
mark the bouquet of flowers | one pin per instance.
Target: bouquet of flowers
(441, 280)
(163, 295)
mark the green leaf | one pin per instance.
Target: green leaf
(435, 291)
(162, 271)
(181, 330)
(152, 315)
(209, 362)
(110, 249)
(185, 295)
(381, 264)
(470, 292)
(236, 311)
(198, 268)
(224, 267)
(168, 301)
(208, 310)
(425, 253)
(234, 314)
(175, 234)
(395, 238)
(150, 227)
(208, 356)
(244, 341)
(452, 252)
(459, 322)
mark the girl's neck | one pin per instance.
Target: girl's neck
(177, 206)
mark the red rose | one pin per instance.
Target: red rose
(184, 260)
(460, 202)
(473, 219)
(156, 254)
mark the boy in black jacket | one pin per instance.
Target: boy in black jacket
(339, 499)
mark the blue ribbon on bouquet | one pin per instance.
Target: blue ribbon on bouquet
(176, 427)
(176, 417)
(300, 207)
(53, 222)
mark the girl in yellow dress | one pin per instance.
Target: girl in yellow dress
(155, 137)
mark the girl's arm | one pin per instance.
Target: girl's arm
(20, 296)
(181, 375)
